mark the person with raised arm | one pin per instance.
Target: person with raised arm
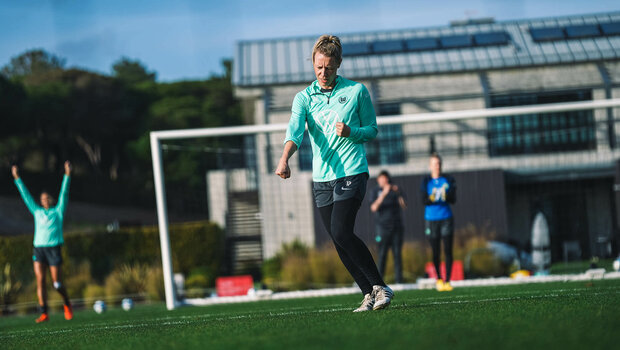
(48, 239)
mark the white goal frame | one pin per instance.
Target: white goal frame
(158, 136)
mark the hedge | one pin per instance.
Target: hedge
(198, 244)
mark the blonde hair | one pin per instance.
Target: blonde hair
(328, 45)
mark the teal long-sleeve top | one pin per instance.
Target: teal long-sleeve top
(47, 222)
(334, 157)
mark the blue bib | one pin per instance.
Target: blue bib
(437, 189)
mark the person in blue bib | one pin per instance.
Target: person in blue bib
(438, 191)
(48, 239)
(340, 118)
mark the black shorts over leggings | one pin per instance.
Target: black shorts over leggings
(51, 256)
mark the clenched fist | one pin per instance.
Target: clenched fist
(283, 169)
(342, 129)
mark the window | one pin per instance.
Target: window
(611, 28)
(354, 49)
(388, 147)
(493, 38)
(540, 133)
(387, 46)
(545, 34)
(422, 44)
(573, 32)
(455, 41)
(305, 153)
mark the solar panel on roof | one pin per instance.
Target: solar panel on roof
(611, 28)
(387, 46)
(582, 31)
(353, 49)
(421, 44)
(454, 41)
(491, 38)
(548, 33)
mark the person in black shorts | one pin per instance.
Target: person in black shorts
(438, 191)
(387, 204)
(48, 239)
(340, 118)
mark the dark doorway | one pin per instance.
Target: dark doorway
(568, 223)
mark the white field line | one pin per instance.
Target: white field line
(197, 319)
(422, 284)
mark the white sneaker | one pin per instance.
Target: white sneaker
(366, 304)
(383, 296)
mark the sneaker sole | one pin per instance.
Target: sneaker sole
(382, 306)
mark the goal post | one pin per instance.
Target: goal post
(156, 138)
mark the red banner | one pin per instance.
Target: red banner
(233, 285)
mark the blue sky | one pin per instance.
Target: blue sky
(187, 39)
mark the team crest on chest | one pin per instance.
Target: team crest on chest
(342, 99)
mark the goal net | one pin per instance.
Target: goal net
(510, 163)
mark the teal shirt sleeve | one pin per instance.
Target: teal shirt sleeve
(28, 200)
(367, 130)
(297, 123)
(63, 198)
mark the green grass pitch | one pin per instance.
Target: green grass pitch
(575, 315)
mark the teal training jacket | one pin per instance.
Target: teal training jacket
(334, 157)
(47, 223)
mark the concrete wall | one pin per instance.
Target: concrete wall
(545, 78)
(286, 210)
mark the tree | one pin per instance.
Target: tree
(131, 72)
(13, 123)
(31, 63)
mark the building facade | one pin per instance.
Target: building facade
(507, 168)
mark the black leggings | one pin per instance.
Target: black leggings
(393, 239)
(339, 219)
(447, 249)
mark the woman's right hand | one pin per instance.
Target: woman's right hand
(15, 172)
(283, 170)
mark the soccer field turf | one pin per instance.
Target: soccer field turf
(574, 315)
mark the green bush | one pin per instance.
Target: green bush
(93, 292)
(483, 263)
(200, 277)
(296, 273)
(9, 288)
(127, 279)
(17, 251)
(326, 267)
(90, 257)
(192, 244)
(155, 284)
(77, 278)
(415, 256)
(296, 266)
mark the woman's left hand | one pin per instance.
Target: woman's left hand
(342, 129)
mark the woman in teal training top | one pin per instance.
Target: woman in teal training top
(48, 240)
(340, 119)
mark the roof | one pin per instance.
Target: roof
(465, 46)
